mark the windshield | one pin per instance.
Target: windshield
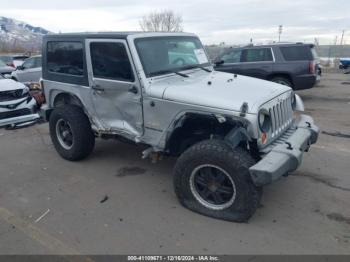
(161, 55)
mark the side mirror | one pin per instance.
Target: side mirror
(219, 62)
(20, 67)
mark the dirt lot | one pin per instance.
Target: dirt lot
(116, 203)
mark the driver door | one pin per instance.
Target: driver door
(115, 89)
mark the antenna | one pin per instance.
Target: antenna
(342, 43)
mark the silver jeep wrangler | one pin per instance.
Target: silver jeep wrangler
(232, 134)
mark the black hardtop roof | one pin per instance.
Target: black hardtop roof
(115, 35)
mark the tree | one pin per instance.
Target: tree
(163, 21)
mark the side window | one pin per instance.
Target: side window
(257, 55)
(29, 63)
(65, 58)
(110, 61)
(233, 56)
(296, 53)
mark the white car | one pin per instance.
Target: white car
(17, 106)
(29, 71)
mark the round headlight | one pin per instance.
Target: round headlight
(264, 119)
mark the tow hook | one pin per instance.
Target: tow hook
(286, 174)
(308, 124)
(306, 149)
(289, 146)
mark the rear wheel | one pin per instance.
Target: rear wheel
(71, 132)
(282, 80)
(213, 179)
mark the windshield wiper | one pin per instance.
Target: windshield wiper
(181, 74)
(198, 66)
(168, 71)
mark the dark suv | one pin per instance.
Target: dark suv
(292, 64)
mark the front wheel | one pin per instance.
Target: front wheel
(71, 133)
(213, 179)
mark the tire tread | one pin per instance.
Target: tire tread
(222, 152)
(84, 139)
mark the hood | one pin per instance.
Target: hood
(9, 85)
(217, 90)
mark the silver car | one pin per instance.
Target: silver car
(29, 71)
(231, 134)
(13, 60)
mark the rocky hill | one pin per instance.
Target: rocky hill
(19, 36)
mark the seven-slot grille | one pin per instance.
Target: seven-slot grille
(281, 115)
(11, 95)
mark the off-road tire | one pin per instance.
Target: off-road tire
(235, 162)
(282, 80)
(83, 136)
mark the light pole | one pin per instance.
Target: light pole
(342, 43)
(280, 29)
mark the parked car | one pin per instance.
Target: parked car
(13, 60)
(295, 65)
(17, 106)
(344, 63)
(232, 134)
(29, 71)
(5, 69)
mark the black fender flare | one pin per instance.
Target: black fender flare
(236, 136)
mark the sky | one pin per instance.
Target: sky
(229, 21)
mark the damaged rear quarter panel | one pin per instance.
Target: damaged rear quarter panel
(83, 93)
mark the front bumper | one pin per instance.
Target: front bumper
(17, 113)
(287, 156)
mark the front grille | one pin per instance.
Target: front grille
(15, 113)
(11, 95)
(281, 116)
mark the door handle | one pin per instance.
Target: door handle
(97, 88)
(133, 90)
